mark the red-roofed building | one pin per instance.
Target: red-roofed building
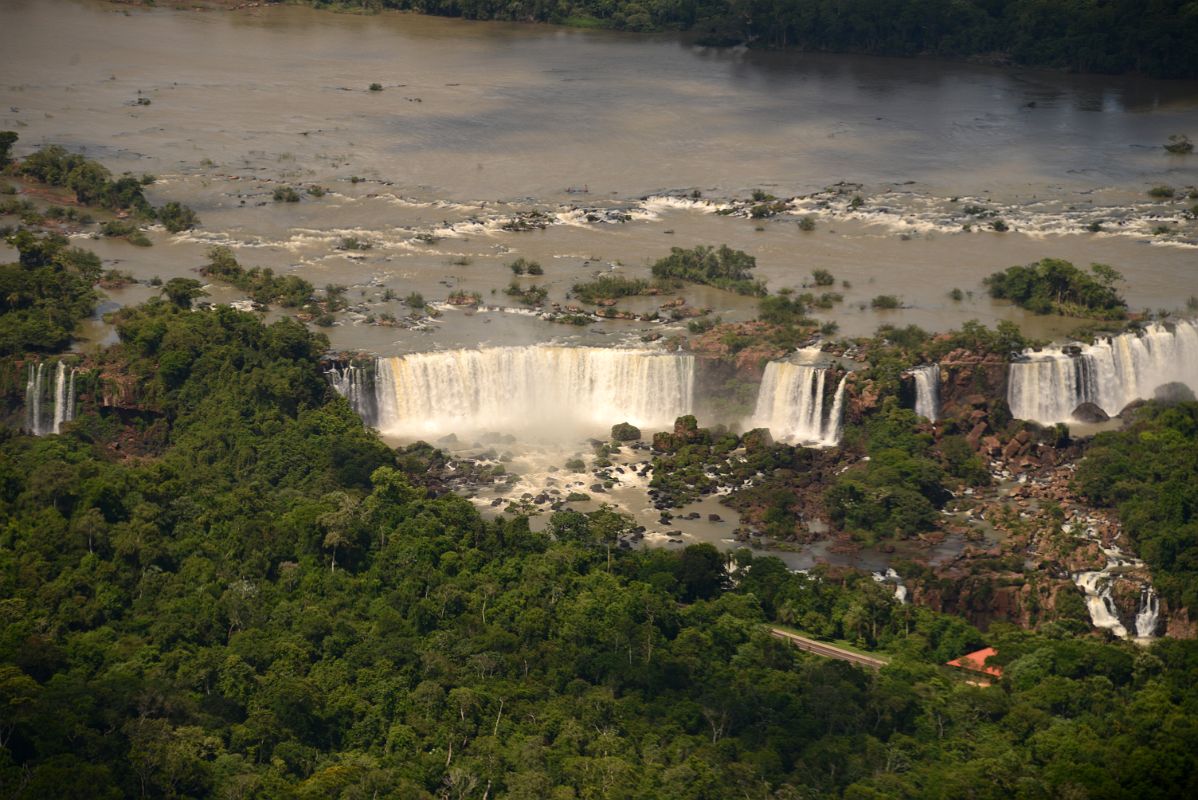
(975, 665)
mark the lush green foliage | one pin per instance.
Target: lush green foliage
(279, 605)
(897, 492)
(94, 185)
(177, 217)
(45, 293)
(1053, 284)
(1115, 36)
(721, 267)
(262, 285)
(1149, 472)
(91, 182)
(781, 309)
(609, 287)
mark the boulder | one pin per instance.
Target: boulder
(625, 432)
(1090, 412)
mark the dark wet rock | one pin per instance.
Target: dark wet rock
(714, 518)
(498, 501)
(597, 488)
(1090, 412)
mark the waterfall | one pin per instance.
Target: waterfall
(355, 385)
(60, 396)
(1112, 372)
(893, 578)
(790, 402)
(927, 391)
(536, 388)
(1148, 616)
(35, 394)
(1103, 613)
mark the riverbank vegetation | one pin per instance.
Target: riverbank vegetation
(1114, 37)
(1055, 285)
(45, 293)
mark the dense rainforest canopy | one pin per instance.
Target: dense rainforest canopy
(236, 590)
(1155, 38)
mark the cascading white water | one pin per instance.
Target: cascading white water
(1112, 372)
(790, 402)
(1148, 616)
(538, 388)
(352, 383)
(927, 391)
(1101, 605)
(896, 580)
(64, 399)
(60, 396)
(33, 400)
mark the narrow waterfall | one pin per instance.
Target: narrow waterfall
(1046, 387)
(355, 385)
(1103, 614)
(60, 396)
(538, 388)
(63, 409)
(791, 403)
(927, 391)
(1148, 617)
(33, 400)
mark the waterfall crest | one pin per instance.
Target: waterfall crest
(1046, 387)
(790, 402)
(927, 391)
(63, 399)
(538, 388)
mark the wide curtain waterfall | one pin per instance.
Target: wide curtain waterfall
(927, 391)
(791, 402)
(1046, 387)
(40, 420)
(538, 388)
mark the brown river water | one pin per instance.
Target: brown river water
(478, 123)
